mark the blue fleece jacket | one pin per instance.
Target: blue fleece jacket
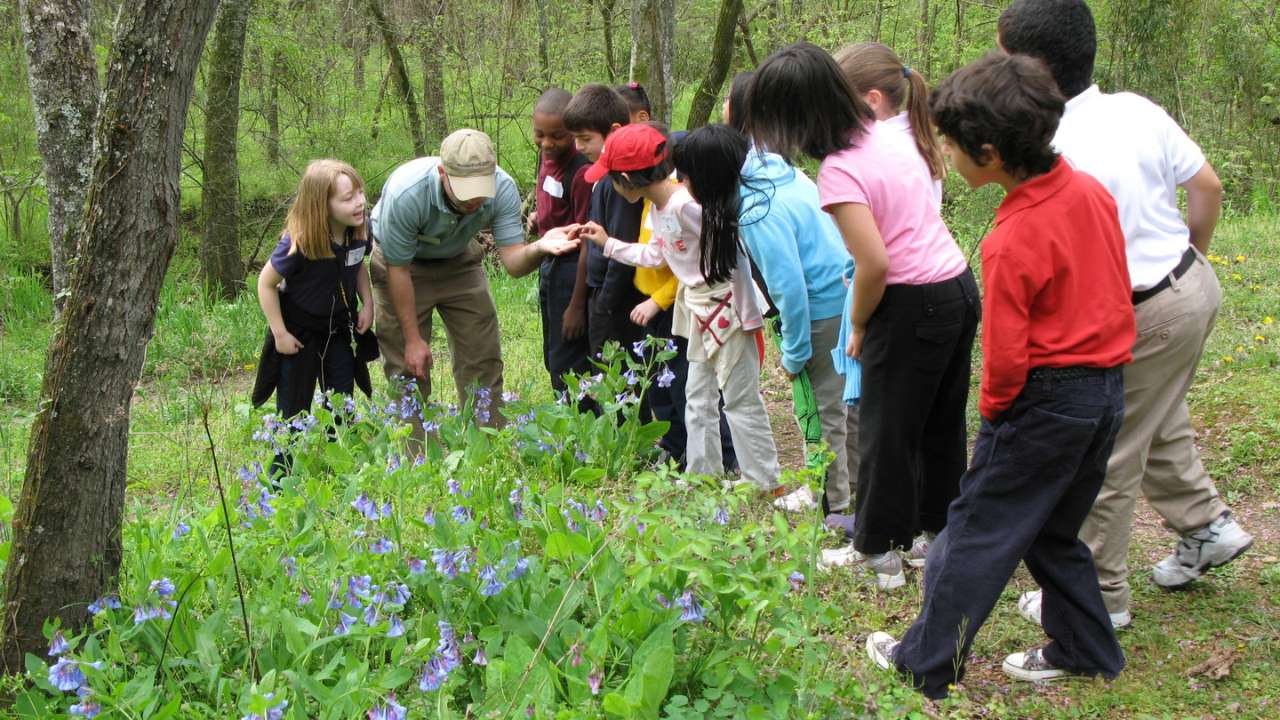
(797, 248)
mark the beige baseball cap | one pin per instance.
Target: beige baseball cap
(468, 159)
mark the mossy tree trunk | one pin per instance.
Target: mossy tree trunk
(221, 266)
(66, 548)
(63, 78)
(399, 73)
(704, 100)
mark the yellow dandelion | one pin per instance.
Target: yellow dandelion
(1237, 277)
(1227, 359)
(1240, 350)
(1267, 320)
(1239, 258)
(1260, 338)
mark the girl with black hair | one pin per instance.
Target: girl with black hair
(734, 112)
(801, 261)
(915, 307)
(637, 101)
(715, 308)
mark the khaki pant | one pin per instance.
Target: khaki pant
(1155, 450)
(839, 421)
(743, 407)
(458, 289)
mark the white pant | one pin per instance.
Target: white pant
(745, 410)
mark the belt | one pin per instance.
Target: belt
(1188, 258)
(1075, 372)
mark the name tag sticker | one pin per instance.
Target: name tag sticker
(355, 255)
(552, 187)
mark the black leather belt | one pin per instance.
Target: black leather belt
(1188, 258)
(1075, 372)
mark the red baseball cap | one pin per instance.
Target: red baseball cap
(630, 147)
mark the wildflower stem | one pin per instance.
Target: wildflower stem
(226, 522)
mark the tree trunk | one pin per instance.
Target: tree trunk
(63, 77)
(273, 107)
(220, 265)
(922, 38)
(359, 49)
(704, 100)
(878, 21)
(432, 51)
(375, 126)
(66, 547)
(661, 82)
(544, 54)
(606, 17)
(400, 74)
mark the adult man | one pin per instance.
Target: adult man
(1142, 157)
(426, 258)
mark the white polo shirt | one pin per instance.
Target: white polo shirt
(1141, 155)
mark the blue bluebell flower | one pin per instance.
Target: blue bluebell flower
(290, 564)
(517, 572)
(430, 426)
(454, 486)
(594, 679)
(86, 708)
(693, 612)
(264, 503)
(393, 462)
(480, 658)
(599, 512)
(433, 675)
(397, 627)
(492, 585)
(447, 647)
(460, 513)
(797, 581)
(666, 377)
(304, 597)
(345, 622)
(365, 506)
(391, 711)
(400, 594)
(386, 509)
(429, 517)
(246, 474)
(58, 645)
(104, 603)
(417, 566)
(638, 347)
(371, 615)
(580, 456)
(662, 600)
(631, 377)
(66, 674)
(419, 460)
(181, 530)
(509, 397)
(349, 405)
(381, 547)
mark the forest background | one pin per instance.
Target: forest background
(377, 82)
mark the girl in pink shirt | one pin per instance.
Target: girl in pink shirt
(915, 302)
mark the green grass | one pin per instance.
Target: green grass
(203, 353)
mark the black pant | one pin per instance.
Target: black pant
(669, 403)
(1035, 474)
(556, 278)
(325, 359)
(915, 384)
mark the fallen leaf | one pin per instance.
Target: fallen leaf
(1217, 666)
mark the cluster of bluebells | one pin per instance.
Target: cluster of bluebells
(516, 498)
(274, 712)
(484, 405)
(374, 513)
(690, 609)
(446, 659)
(260, 508)
(362, 593)
(66, 675)
(597, 513)
(392, 710)
(158, 604)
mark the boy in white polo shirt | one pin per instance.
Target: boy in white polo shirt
(1142, 156)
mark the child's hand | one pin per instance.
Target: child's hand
(593, 232)
(364, 320)
(854, 348)
(573, 324)
(287, 344)
(645, 312)
(531, 222)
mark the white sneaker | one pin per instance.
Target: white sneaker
(843, 556)
(1029, 607)
(919, 551)
(888, 570)
(1032, 667)
(1211, 546)
(798, 500)
(880, 648)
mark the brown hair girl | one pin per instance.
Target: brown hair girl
(309, 223)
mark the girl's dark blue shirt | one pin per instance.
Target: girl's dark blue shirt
(312, 285)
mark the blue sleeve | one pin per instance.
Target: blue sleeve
(508, 226)
(282, 261)
(771, 241)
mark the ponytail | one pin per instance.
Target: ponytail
(922, 126)
(711, 157)
(873, 66)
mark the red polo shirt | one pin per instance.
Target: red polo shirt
(1056, 283)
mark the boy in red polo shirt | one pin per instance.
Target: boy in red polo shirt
(1058, 324)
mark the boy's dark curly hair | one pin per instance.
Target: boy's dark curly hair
(1059, 32)
(1009, 102)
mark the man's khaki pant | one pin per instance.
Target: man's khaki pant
(1155, 450)
(458, 289)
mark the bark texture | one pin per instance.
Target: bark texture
(432, 51)
(66, 547)
(221, 266)
(399, 73)
(704, 100)
(63, 78)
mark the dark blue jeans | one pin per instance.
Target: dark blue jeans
(1035, 473)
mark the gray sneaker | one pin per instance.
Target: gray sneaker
(888, 570)
(919, 551)
(1029, 608)
(880, 648)
(1032, 667)
(1200, 550)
